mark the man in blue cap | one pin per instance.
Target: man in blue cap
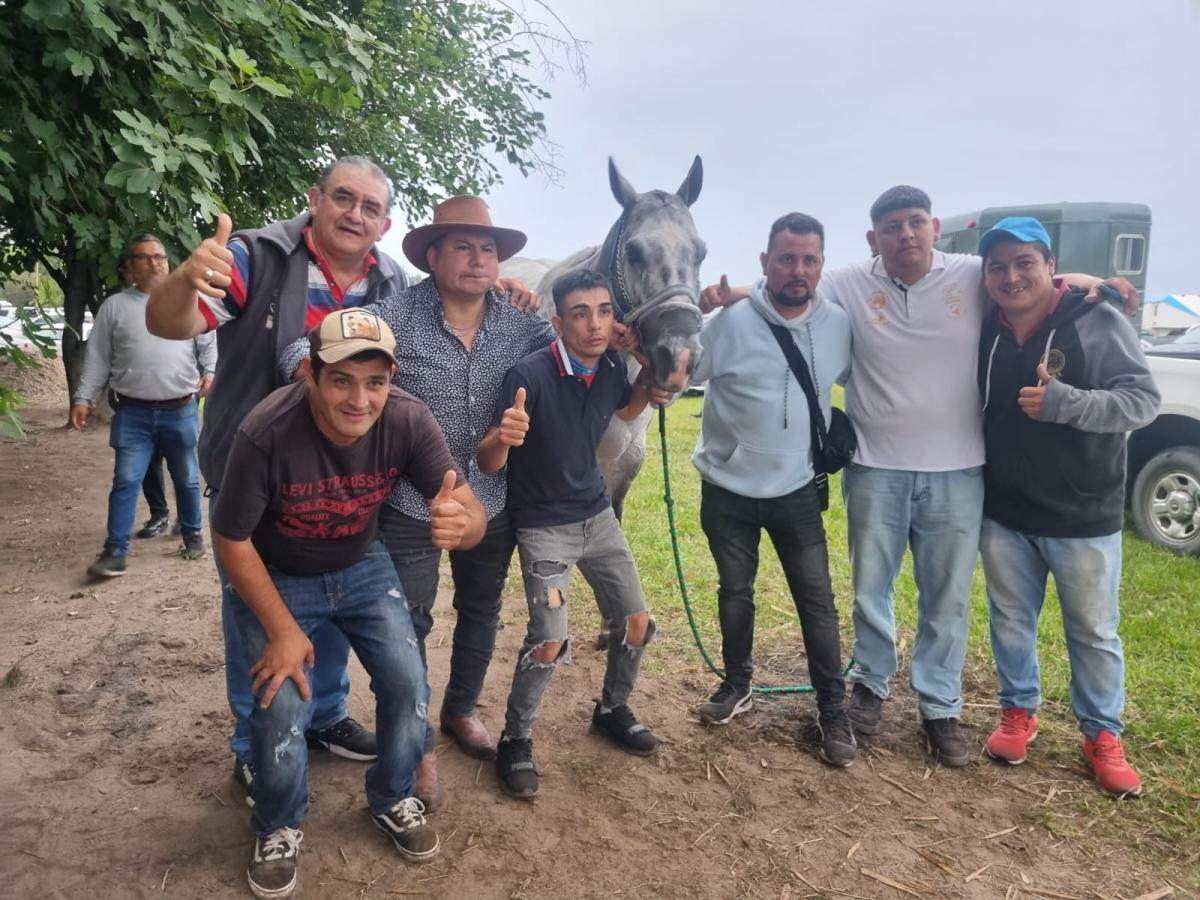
(1062, 381)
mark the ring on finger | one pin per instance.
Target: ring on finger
(208, 274)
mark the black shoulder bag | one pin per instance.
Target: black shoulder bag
(832, 448)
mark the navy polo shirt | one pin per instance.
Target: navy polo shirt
(554, 478)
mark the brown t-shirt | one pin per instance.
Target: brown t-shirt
(310, 506)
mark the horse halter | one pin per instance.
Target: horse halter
(629, 312)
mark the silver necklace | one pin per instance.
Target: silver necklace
(463, 329)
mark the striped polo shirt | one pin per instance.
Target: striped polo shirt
(324, 293)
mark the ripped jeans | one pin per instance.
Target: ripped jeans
(598, 546)
(366, 603)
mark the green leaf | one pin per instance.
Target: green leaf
(194, 142)
(271, 86)
(238, 57)
(119, 174)
(132, 119)
(83, 67)
(39, 10)
(142, 181)
(200, 166)
(10, 423)
(224, 92)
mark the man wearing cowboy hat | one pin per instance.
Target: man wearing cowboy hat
(456, 340)
(263, 289)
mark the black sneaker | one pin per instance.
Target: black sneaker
(155, 525)
(945, 742)
(193, 546)
(243, 774)
(622, 727)
(177, 529)
(405, 824)
(866, 709)
(107, 565)
(515, 766)
(726, 703)
(838, 747)
(272, 870)
(347, 739)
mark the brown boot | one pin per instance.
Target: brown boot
(471, 735)
(427, 787)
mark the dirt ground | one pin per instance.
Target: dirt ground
(116, 776)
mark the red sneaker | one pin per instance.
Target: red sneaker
(1008, 742)
(1106, 757)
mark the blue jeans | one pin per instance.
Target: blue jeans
(939, 515)
(1087, 573)
(330, 679)
(137, 433)
(365, 602)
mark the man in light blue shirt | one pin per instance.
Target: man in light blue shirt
(756, 464)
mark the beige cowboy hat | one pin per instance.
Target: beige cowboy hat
(464, 213)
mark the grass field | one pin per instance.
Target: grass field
(1160, 628)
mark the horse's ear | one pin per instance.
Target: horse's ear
(621, 188)
(690, 189)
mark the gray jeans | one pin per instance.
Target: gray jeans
(598, 546)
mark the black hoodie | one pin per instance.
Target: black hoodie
(1064, 474)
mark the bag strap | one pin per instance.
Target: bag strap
(820, 437)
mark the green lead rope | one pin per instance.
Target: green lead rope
(683, 592)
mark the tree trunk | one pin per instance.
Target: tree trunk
(81, 292)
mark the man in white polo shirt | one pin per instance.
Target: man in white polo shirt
(917, 479)
(915, 315)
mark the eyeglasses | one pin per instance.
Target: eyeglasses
(148, 257)
(346, 202)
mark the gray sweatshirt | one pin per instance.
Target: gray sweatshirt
(1064, 474)
(122, 352)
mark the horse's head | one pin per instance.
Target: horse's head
(653, 255)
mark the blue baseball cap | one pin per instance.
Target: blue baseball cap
(1025, 229)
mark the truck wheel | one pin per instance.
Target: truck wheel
(1166, 500)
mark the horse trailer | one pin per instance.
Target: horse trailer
(1103, 239)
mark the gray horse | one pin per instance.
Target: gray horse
(652, 256)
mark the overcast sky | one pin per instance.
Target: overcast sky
(819, 106)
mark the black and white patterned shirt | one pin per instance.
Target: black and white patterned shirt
(460, 386)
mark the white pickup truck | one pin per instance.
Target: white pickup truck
(1164, 458)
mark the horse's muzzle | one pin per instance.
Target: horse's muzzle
(670, 339)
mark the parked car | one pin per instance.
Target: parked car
(48, 323)
(1164, 457)
(1186, 344)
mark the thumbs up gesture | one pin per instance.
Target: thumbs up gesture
(210, 265)
(514, 424)
(716, 295)
(1030, 398)
(448, 518)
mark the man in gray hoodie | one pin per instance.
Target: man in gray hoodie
(1063, 380)
(756, 464)
(156, 387)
